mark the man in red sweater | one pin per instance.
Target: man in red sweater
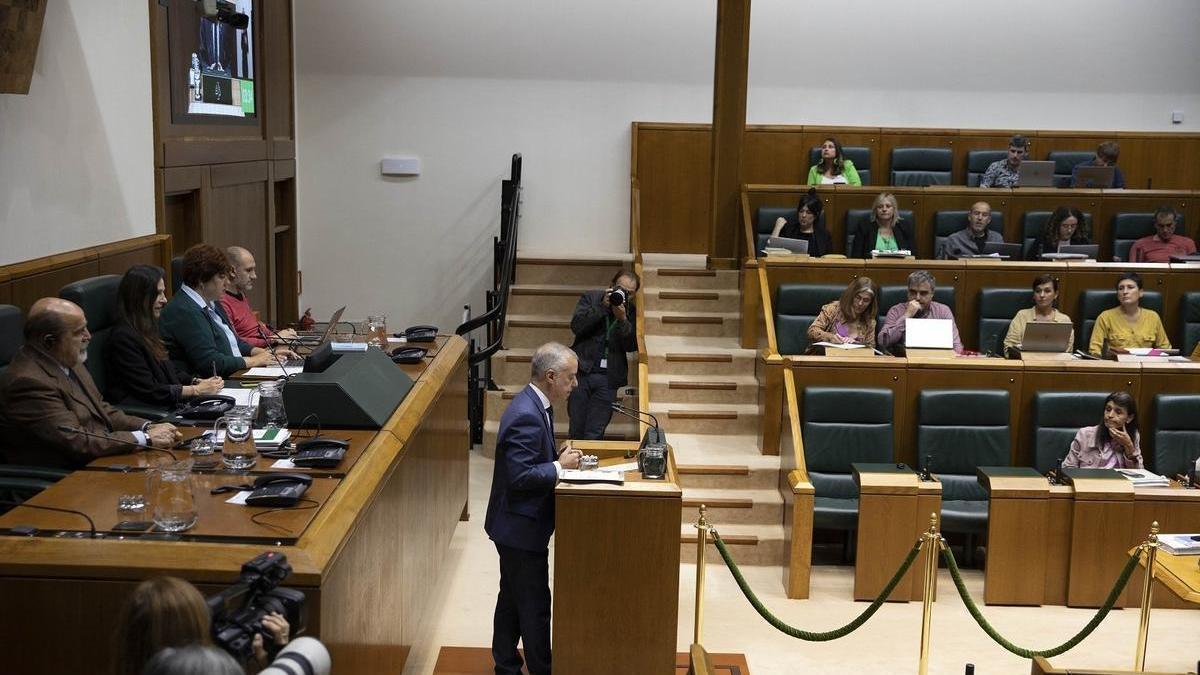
(236, 303)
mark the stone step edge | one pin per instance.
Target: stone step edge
(712, 469)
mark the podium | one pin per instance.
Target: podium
(616, 570)
(893, 511)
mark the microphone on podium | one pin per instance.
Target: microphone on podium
(652, 453)
(654, 434)
(68, 429)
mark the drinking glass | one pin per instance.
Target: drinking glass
(169, 488)
(204, 449)
(377, 330)
(654, 462)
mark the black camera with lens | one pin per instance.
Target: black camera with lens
(237, 611)
(616, 296)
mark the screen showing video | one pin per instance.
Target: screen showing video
(220, 73)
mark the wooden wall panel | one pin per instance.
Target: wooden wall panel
(848, 137)
(238, 212)
(20, 32)
(774, 156)
(675, 206)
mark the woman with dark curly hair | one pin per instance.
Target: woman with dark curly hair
(1065, 226)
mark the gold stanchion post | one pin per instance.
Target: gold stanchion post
(702, 529)
(1150, 548)
(931, 540)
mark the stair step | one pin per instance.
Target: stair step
(531, 331)
(546, 299)
(719, 502)
(747, 544)
(733, 506)
(736, 539)
(543, 267)
(685, 278)
(707, 418)
(703, 388)
(510, 367)
(717, 357)
(701, 324)
(712, 469)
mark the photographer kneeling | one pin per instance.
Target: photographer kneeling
(604, 328)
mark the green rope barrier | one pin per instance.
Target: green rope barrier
(808, 635)
(1122, 580)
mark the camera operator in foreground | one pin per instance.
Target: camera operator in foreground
(605, 329)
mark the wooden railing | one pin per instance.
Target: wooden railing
(643, 374)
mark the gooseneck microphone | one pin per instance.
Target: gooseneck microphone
(16, 504)
(283, 374)
(67, 429)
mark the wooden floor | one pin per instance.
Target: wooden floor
(478, 661)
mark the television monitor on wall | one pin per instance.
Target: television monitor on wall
(213, 56)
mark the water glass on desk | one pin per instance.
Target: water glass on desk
(204, 449)
(377, 331)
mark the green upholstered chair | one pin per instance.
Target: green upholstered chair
(11, 334)
(1129, 227)
(796, 307)
(97, 296)
(919, 167)
(1189, 320)
(856, 216)
(764, 221)
(1176, 434)
(860, 156)
(20, 482)
(1065, 162)
(1057, 416)
(996, 309)
(1032, 224)
(978, 161)
(1093, 301)
(946, 223)
(843, 425)
(958, 431)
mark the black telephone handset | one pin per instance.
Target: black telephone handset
(278, 489)
(320, 453)
(423, 333)
(206, 407)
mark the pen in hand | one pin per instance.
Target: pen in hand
(214, 366)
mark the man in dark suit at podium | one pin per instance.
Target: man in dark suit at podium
(520, 513)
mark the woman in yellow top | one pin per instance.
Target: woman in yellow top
(1045, 294)
(851, 318)
(1128, 325)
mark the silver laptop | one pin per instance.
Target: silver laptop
(793, 245)
(1095, 176)
(321, 339)
(1046, 336)
(928, 334)
(1035, 174)
(1002, 249)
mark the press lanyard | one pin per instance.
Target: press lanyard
(609, 324)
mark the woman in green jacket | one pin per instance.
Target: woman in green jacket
(833, 168)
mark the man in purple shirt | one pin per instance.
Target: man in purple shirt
(920, 305)
(1164, 243)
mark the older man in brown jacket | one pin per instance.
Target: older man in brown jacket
(46, 389)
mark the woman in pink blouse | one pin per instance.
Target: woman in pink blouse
(1112, 444)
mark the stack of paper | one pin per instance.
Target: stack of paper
(266, 439)
(1180, 544)
(273, 371)
(840, 345)
(1144, 478)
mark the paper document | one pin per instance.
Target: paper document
(273, 371)
(283, 464)
(843, 345)
(620, 468)
(239, 498)
(577, 476)
(241, 396)
(1180, 544)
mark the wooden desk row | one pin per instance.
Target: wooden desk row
(908, 377)
(1047, 544)
(366, 558)
(924, 202)
(968, 278)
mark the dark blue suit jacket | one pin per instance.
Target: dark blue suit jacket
(520, 511)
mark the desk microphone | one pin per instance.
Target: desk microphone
(1055, 475)
(283, 374)
(13, 503)
(926, 475)
(654, 434)
(66, 429)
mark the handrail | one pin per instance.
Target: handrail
(643, 355)
(748, 226)
(799, 474)
(768, 310)
(635, 216)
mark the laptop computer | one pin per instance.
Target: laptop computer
(928, 334)
(324, 336)
(1002, 249)
(1035, 174)
(1046, 336)
(1095, 176)
(792, 245)
(1074, 252)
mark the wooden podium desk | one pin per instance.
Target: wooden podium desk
(1018, 516)
(367, 560)
(893, 511)
(1179, 573)
(616, 570)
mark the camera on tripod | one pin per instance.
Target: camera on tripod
(237, 611)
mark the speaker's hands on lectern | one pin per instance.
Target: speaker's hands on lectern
(569, 457)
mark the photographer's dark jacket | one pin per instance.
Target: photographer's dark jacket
(589, 324)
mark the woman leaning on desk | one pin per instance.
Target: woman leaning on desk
(139, 370)
(1128, 325)
(1112, 444)
(1064, 226)
(884, 231)
(833, 168)
(806, 225)
(1045, 294)
(851, 318)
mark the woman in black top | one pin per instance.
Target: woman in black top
(1065, 226)
(139, 370)
(806, 225)
(883, 227)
